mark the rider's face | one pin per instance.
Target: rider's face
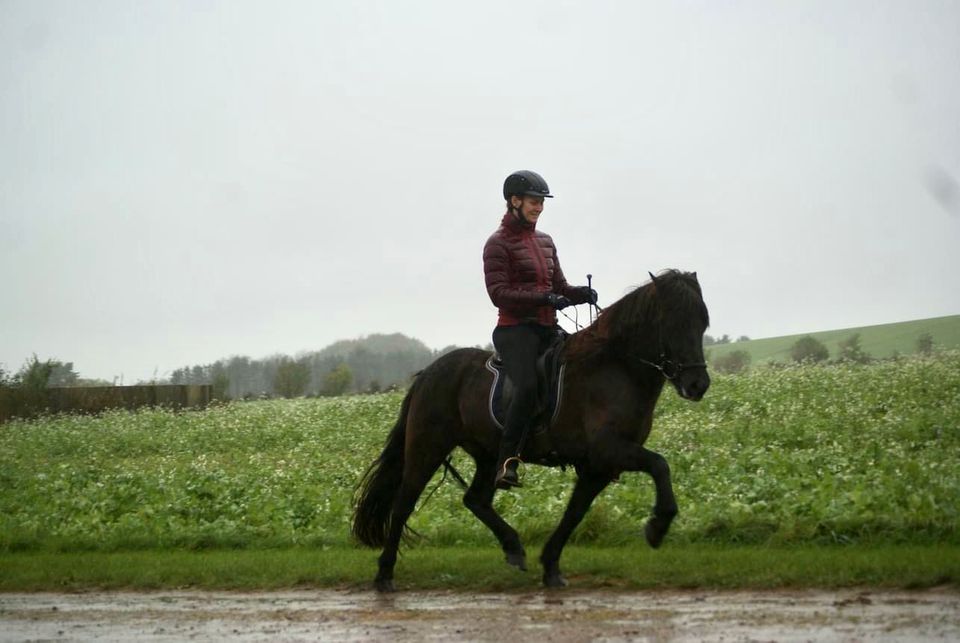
(530, 207)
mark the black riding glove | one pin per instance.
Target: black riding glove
(557, 301)
(588, 294)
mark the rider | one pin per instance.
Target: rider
(525, 282)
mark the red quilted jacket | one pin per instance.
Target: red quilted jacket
(520, 267)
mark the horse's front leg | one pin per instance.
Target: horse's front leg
(632, 457)
(588, 486)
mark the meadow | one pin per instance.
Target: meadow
(879, 342)
(795, 456)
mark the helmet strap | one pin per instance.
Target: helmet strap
(512, 209)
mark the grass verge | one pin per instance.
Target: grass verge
(482, 569)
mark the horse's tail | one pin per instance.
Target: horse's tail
(379, 486)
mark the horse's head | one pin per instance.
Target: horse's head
(658, 325)
(680, 320)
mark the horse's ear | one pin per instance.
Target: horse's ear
(695, 276)
(652, 278)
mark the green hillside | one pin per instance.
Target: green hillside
(880, 341)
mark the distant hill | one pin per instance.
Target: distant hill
(375, 362)
(879, 341)
(376, 343)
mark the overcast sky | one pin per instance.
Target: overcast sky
(185, 181)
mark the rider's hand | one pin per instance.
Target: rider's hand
(557, 301)
(588, 294)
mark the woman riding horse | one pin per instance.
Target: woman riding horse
(616, 369)
(526, 284)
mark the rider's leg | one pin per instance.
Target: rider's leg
(518, 347)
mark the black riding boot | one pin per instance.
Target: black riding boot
(519, 346)
(507, 464)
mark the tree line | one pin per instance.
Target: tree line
(374, 363)
(49, 373)
(370, 364)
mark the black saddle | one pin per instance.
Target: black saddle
(550, 369)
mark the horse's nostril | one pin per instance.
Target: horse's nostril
(697, 388)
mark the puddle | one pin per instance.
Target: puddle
(861, 615)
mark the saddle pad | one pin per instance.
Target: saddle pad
(499, 398)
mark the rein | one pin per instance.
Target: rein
(576, 320)
(595, 309)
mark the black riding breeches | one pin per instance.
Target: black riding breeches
(519, 346)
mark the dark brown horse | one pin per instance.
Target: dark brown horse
(615, 371)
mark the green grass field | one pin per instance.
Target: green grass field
(880, 342)
(825, 454)
(843, 458)
(633, 566)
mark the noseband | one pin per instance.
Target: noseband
(670, 369)
(667, 367)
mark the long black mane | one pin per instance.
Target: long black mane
(672, 295)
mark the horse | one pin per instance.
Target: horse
(616, 369)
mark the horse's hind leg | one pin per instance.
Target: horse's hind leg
(416, 475)
(479, 500)
(588, 486)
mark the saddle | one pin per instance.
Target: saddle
(550, 370)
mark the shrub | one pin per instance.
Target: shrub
(735, 362)
(809, 349)
(850, 350)
(292, 378)
(337, 381)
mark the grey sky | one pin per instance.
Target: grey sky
(184, 181)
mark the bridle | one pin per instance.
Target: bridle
(667, 367)
(670, 369)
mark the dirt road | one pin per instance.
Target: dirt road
(855, 615)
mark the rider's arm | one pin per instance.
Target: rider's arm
(496, 270)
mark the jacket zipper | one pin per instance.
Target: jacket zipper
(541, 267)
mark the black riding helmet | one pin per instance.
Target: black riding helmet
(525, 183)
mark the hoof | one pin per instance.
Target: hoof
(655, 530)
(554, 580)
(517, 559)
(384, 585)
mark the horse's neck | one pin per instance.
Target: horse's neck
(611, 338)
(593, 349)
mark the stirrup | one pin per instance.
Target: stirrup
(502, 481)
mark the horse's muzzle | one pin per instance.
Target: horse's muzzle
(692, 385)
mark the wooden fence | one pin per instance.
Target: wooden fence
(17, 402)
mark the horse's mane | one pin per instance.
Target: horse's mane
(673, 295)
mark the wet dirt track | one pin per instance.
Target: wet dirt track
(854, 615)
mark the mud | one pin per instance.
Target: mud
(847, 615)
